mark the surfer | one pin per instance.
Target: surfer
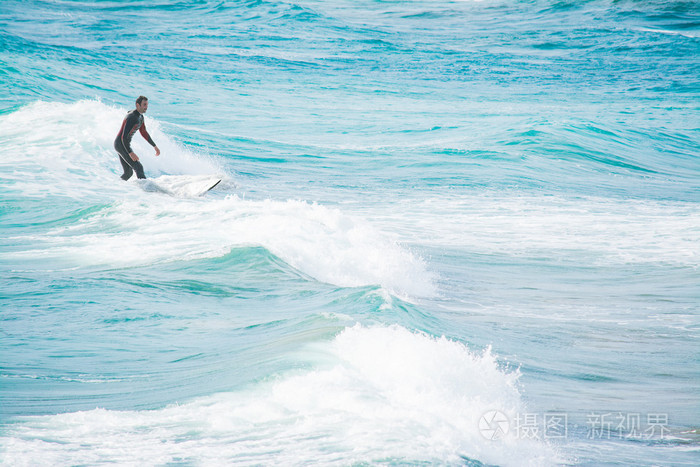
(132, 122)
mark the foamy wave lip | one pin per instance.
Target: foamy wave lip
(322, 242)
(382, 394)
(339, 249)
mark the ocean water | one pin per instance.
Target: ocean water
(447, 233)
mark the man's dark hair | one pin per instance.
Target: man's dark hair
(141, 99)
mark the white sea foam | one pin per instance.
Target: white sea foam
(689, 34)
(587, 230)
(375, 394)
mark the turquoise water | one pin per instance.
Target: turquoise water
(437, 220)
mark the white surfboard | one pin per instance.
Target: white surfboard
(181, 186)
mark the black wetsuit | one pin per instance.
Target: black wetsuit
(132, 122)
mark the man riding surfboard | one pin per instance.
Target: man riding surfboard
(132, 122)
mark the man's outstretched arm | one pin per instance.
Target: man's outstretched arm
(148, 138)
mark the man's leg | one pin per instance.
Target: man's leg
(128, 171)
(130, 166)
(138, 168)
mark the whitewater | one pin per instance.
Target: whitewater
(446, 233)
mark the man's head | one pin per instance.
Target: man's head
(142, 104)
